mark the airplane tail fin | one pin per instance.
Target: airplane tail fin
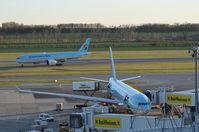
(85, 46)
(113, 73)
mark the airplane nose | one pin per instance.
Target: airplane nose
(17, 59)
(140, 102)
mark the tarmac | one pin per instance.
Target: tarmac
(179, 81)
(14, 103)
(92, 61)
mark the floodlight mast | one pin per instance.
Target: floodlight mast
(195, 55)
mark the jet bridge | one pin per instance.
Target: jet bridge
(167, 95)
(97, 118)
(89, 86)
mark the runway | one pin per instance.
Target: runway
(149, 81)
(93, 61)
(102, 61)
(38, 103)
(15, 103)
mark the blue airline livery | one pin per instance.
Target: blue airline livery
(54, 58)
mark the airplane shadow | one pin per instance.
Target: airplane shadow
(19, 67)
(4, 68)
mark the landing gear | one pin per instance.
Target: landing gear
(59, 64)
(22, 65)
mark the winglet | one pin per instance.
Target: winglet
(113, 73)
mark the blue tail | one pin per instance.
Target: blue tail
(85, 46)
(113, 74)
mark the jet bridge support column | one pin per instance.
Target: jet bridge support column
(89, 123)
(92, 127)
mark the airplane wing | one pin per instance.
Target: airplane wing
(61, 60)
(95, 99)
(131, 78)
(93, 79)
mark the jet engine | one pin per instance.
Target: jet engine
(51, 62)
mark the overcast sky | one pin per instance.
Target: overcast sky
(107, 12)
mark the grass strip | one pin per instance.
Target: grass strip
(116, 54)
(103, 69)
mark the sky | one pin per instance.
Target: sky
(106, 12)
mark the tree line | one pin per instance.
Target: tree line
(20, 36)
(12, 28)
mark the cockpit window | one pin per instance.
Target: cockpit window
(18, 57)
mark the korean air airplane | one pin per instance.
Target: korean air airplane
(122, 93)
(55, 58)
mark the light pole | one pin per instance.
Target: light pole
(195, 56)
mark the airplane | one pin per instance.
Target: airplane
(122, 94)
(55, 58)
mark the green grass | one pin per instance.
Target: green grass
(12, 83)
(20, 82)
(9, 56)
(138, 54)
(103, 69)
(117, 54)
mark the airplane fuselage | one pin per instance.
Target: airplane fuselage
(129, 96)
(44, 57)
(54, 58)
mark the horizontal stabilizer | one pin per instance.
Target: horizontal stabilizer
(95, 99)
(93, 79)
(131, 78)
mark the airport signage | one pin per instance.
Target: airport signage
(179, 99)
(107, 122)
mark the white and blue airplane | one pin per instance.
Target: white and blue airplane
(122, 94)
(54, 58)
